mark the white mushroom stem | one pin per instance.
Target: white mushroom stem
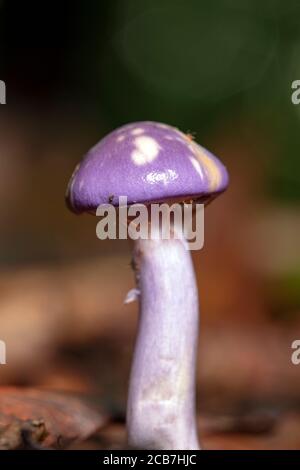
(161, 411)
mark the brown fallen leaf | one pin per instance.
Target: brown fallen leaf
(33, 419)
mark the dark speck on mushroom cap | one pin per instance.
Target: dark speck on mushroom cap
(147, 162)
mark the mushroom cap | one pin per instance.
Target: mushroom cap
(146, 162)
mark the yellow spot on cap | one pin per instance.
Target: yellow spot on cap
(211, 168)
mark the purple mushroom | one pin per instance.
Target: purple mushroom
(151, 162)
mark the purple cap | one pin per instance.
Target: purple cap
(146, 162)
